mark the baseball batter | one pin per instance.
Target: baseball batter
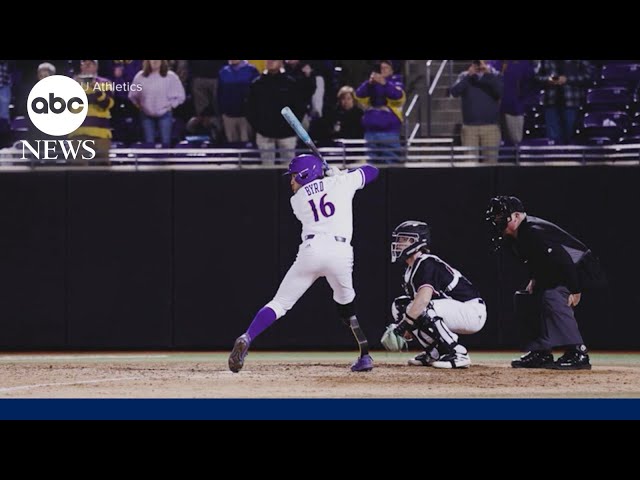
(323, 204)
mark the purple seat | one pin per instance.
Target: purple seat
(630, 139)
(608, 98)
(537, 142)
(20, 123)
(616, 119)
(188, 144)
(624, 73)
(599, 141)
(611, 124)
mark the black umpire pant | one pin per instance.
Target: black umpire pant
(546, 319)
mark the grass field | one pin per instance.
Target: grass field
(303, 375)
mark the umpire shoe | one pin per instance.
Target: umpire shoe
(363, 364)
(572, 360)
(239, 352)
(534, 359)
(423, 360)
(453, 360)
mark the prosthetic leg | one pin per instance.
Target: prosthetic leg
(347, 314)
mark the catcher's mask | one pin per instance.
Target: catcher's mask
(409, 237)
(498, 215)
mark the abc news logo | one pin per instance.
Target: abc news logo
(58, 105)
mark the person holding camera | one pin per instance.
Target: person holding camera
(97, 125)
(564, 82)
(382, 97)
(480, 88)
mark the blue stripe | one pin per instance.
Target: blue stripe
(322, 409)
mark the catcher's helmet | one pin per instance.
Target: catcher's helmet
(409, 237)
(305, 168)
(498, 215)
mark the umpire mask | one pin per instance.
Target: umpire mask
(498, 215)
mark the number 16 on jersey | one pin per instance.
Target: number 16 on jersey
(326, 208)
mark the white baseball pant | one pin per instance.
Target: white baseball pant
(321, 256)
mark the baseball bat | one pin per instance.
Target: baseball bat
(297, 127)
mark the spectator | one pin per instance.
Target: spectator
(160, 92)
(311, 85)
(383, 97)
(564, 83)
(517, 77)
(347, 119)
(122, 72)
(480, 87)
(181, 68)
(233, 91)
(261, 65)
(124, 114)
(204, 88)
(5, 101)
(268, 94)
(45, 70)
(351, 72)
(97, 125)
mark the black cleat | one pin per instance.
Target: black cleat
(239, 352)
(422, 360)
(534, 359)
(572, 360)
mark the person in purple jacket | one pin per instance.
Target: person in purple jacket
(517, 79)
(382, 97)
(233, 90)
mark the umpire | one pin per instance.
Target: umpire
(560, 266)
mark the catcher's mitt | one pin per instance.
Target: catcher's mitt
(391, 341)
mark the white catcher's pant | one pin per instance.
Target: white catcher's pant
(457, 318)
(463, 318)
(321, 256)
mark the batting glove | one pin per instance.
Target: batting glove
(333, 171)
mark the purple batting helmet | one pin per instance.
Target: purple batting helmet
(305, 168)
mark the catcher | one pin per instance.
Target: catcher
(440, 302)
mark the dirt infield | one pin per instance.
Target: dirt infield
(302, 375)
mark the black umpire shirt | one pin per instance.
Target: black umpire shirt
(549, 252)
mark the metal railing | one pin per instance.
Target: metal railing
(431, 86)
(416, 152)
(410, 136)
